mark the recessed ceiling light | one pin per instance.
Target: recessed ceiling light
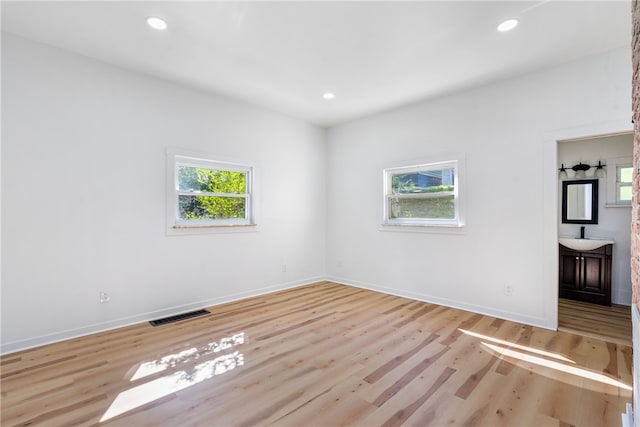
(508, 25)
(157, 23)
(328, 95)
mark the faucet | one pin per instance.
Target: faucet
(582, 232)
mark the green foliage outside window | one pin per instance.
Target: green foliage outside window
(435, 208)
(222, 205)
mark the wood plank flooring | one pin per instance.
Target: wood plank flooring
(321, 355)
(608, 323)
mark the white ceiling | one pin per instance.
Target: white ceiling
(284, 55)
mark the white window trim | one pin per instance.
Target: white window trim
(176, 226)
(447, 226)
(612, 181)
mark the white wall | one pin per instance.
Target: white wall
(613, 222)
(83, 194)
(511, 231)
(83, 197)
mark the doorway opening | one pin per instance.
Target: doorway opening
(600, 275)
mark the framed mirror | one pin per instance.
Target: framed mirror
(580, 201)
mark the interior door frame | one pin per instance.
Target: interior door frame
(551, 206)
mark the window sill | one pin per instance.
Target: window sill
(613, 205)
(431, 228)
(185, 230)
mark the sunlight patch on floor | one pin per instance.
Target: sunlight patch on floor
(172, 360)
(158, 388)
(518, 346)
(560, 367)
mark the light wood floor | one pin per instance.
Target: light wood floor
(609, 323)
(321, 355)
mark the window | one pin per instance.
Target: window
(619, 176)
(207, 193)
(422, 195)
(623, 184)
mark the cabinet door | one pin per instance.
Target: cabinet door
(569, 271)
(593, 273)
(586, 276)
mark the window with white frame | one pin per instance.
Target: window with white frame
(619, 177)
(422, 195)
(623, 184)
(208, 193)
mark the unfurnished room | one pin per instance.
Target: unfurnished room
(320, 213)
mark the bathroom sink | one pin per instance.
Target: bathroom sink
(584, 244)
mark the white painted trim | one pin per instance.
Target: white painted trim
(174, 228)
(455, 227)
(627, 417)
(550, 249)
(488, 311)
(14, 346)
(622, 297)
(546, 323)
(549, 285)
(612, 180)
(635, 341)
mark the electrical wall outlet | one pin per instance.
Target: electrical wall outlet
(508, 290)
(284, 268)
(104, 297)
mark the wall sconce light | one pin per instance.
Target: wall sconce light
(580, 169)
(563, 173)
(600, 173)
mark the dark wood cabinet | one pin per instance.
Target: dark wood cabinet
(586, 275)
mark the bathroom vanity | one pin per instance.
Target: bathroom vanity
(585, 270)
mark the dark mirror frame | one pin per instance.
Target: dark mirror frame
(594, 202)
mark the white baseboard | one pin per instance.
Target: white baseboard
(19, 345)
(14, 346)
(622, 297)
(489, 311)
(627, 417)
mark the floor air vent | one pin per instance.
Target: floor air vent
(178, 317)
